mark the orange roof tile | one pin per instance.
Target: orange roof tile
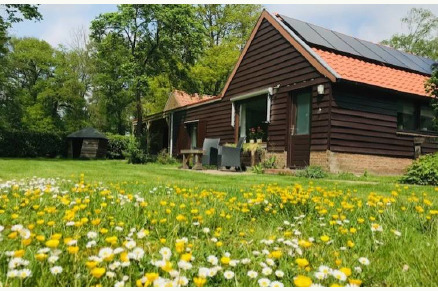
(355, 69)
(180, 98)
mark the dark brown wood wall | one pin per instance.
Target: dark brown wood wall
(364, 121)
(270, 60)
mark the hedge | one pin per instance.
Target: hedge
(117, 145)
(20, 144)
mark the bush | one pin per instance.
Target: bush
(312, 172)
(164, 158)
(423, 171)
(270, 163)
(135, 154)
(117, 144)
(20, 144)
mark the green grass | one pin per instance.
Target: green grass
(153, 174)
(241, 212)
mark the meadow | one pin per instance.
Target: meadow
(107, 223)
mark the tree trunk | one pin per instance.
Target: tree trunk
(139, 127)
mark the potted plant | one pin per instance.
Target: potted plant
(252, 134)
(259, 134)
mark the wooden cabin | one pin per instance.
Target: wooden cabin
(321, 98)
(87, 143)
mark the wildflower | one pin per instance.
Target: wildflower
(52, 259)
(339, 275)
(276, 284)
(229, 275)
(279, 273)
(199, 282)
(136, 254)
(203, 272)
(166, 253)
(364, 261)
(56, 270)
(130, 244)
(225, 260)
(325, 238)
(205, 230)
(252, 274)
(24, 273)
(376, 227)
(264, 282)
(266, 271)
(302, 262)
(92, 235)
(98, 272)
(53, 243)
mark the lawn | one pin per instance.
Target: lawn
(108, 223)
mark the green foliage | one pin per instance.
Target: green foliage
(421, 38)
(258, 169)
(227, 28)
(117, 144)
(423, 171)
(135, 154)
(270, 163)
(148, 40)
(312, 172)
(31, 144)
(164, 158)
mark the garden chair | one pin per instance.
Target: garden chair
(230, 156)
(210, 147)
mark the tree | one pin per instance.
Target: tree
(227, 29)
(46, 84)
(158, 38)
(10, 110)
(422, 36)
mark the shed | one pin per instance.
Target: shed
(87, 143)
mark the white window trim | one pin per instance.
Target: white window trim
(269, 93)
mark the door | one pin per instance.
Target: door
(299, 129)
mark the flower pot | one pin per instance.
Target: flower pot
(259, 140)
(251, 141)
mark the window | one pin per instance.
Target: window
(406, 115)
(415, 116)
(192, 129)
(303, 113)
(427, 119)
(253, 114)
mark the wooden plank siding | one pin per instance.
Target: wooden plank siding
(364, 121)
(270, 60)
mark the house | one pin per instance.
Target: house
(321, 98)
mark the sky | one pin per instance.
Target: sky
(369, 22)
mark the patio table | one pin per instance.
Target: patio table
(197, 154)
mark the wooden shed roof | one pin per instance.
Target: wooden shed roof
(87, 132)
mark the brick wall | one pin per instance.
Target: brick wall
(358, 164)
(280, 158)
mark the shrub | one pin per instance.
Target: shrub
(270, 163)
(423, 171)
(164, 158)
(258, 169)
(134, 153)
(117, 144)
(312, 172)
(20, 144)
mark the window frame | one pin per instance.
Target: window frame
(417, 105)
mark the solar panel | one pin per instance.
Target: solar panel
(334, 40)
(387, 57)
(405, 59)
(304, 30)
(417, 61)
(317, 35)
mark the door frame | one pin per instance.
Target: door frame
(291, 112)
